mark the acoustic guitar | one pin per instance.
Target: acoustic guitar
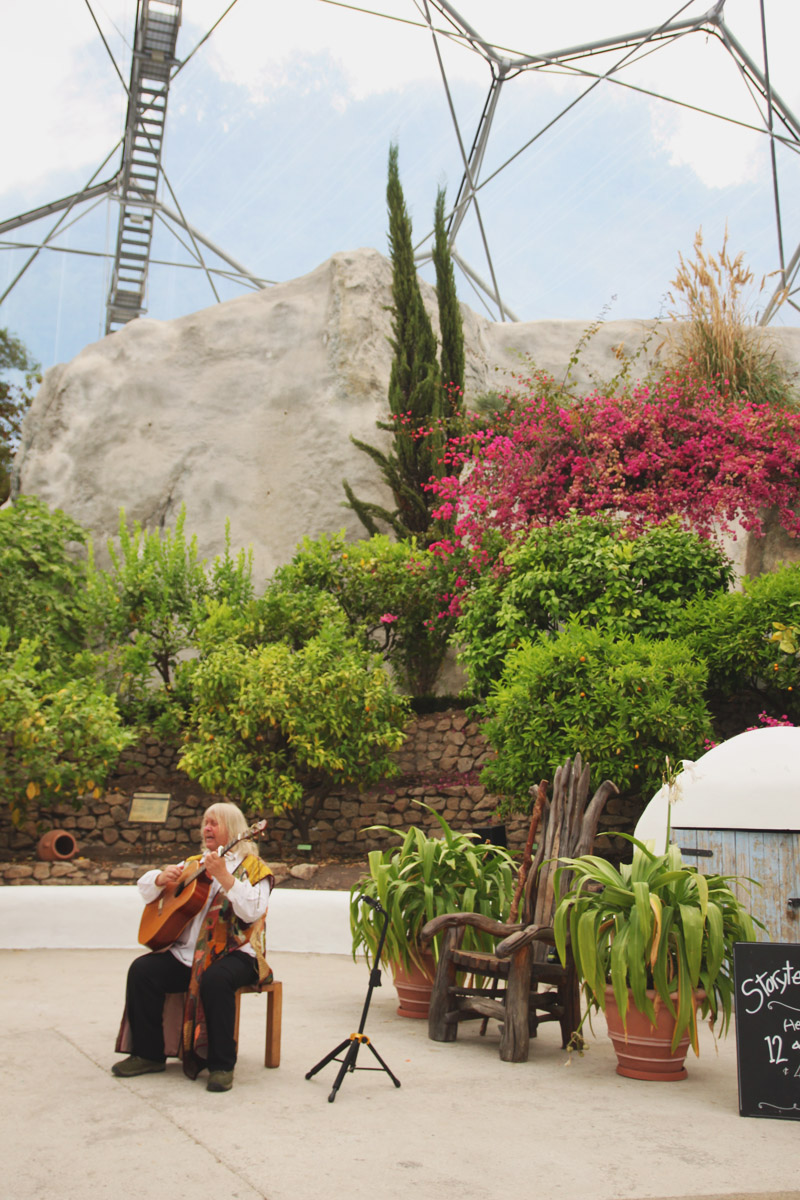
(165, 917)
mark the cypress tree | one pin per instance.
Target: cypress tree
(418, 403)
(452, 354)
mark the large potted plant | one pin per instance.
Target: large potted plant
(652, 944)
(427, 875)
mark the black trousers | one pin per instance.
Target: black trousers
(153, 976)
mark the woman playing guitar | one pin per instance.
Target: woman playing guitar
(216, 947)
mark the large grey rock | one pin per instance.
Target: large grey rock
(245, 410)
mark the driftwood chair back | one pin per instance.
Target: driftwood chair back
(567, 829)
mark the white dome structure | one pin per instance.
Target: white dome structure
(751, 781)
(737, 811)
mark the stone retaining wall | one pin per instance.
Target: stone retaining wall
(439, 764)
(83, 872)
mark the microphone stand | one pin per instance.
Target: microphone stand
(354, 1042)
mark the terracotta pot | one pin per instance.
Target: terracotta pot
(645, 1051)
(414, 987)
(56, 846)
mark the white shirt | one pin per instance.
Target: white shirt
(249, 902)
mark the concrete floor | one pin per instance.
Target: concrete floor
(463, 1124)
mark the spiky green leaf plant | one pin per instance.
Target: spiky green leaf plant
(653, 925)
(424, 877)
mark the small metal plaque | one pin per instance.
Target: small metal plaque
(149, 807)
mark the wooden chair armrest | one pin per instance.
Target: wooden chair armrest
(524, 937)
(460, 920)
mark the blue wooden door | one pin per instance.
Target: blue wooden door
(769, 857)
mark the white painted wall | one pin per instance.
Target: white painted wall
(107, 918)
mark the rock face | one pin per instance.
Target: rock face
(244, 411)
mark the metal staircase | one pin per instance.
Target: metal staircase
(152, 66)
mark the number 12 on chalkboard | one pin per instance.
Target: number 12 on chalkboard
(767, 1007)
(775, 1044)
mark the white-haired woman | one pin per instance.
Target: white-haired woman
(220, 950)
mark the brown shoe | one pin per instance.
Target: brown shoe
(219, 1081)
(134, 1065)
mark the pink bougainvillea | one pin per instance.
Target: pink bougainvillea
(768, 722)
(674, 447)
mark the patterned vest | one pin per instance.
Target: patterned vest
(221, 933)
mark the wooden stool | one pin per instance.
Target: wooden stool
(272, 1047)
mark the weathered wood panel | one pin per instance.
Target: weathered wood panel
(789, 863)
(770, 858)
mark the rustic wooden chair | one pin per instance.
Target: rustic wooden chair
(521, 986)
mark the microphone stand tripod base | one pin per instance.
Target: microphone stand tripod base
(356, 1040)
(348, 1063)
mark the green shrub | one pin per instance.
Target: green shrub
(391, 594)
(43, 579)
(146, 610)
(587, 568)
(277, 728)
(285, 613)
(59, 737)
(734, 634)
(622, 703)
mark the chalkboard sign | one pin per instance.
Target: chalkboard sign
(767, 1005)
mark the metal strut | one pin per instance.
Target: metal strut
(628, 45)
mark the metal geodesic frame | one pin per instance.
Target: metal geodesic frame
(779, 122)
(154, 64)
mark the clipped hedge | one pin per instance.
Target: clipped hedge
(589, 568)
(733, 633)
(623, 703)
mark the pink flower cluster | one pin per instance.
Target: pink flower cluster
(771, 722)
(673, 448)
